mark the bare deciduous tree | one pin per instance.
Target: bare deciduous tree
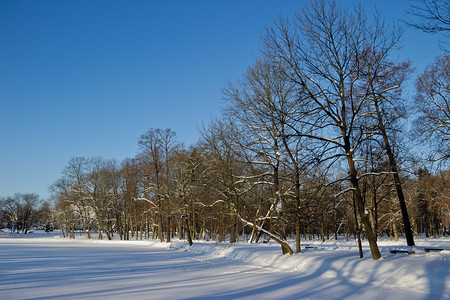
(433, 104)
(157, 149)
(20, 210)
(255, 103)
(325, 49)
(431, 16)
(385, 81)
(434, 15)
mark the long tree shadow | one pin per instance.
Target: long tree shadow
(438, 273)
(313, 285)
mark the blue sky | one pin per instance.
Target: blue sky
(87, 78)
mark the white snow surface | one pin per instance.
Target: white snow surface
(46, 266)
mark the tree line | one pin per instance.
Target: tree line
(21, 213)
(312, 142)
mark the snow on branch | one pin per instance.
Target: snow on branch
(211, 205)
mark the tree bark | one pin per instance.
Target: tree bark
(398, 184)
(360, 206)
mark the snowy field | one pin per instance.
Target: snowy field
(46, 266)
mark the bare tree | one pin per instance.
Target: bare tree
(102, 189)
(254, 103)
(71, 189)
(431, 16)
(260, 103)
(157, 149)
(385, 81)
(130, 190)
(188, 173)
(87, 190)
(433, 104)
(20, 210)
(224, 168)
(324, 49)
(430, 195)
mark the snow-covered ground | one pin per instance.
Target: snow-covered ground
(46, 266)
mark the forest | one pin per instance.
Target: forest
(315, 140)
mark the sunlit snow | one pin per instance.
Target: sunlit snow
(47, 266)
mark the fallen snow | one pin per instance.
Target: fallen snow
(46, 266)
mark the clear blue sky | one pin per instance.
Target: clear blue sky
(87, 78)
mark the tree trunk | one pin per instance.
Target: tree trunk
(398, 184)
(323, 226)
(188, 232)
(358, 228)
(168, 230)
(160, 229)
(232, 223)
(298, 248)
(360, 206)
(395, 230)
